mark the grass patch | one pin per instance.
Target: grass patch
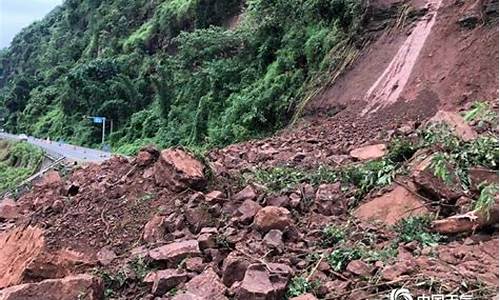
(417, 229)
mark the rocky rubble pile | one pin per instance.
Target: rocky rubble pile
(161, 227)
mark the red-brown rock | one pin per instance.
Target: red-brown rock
(68, 288)
(272, 217)
(8, 209)
(307, 296)
(247, 211)
(369, 152)
(360, 268)
(165, 280)
(147, 156)
(176, 251)
(456, 123)
(154, 229)
(214, 197)
(178, 170)
(234, 268)
(248, 193)
(391, 207)
(105, 256)
(258, 284)
(206, 286)
(195, 264)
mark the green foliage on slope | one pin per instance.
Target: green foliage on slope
(18, 161)
(172, 72)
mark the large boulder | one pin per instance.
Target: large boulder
(456, 123)
(272, 217)
(369, 152)
(68, 288)
(178, 170)
(431, 185)
(176, 251)
(391, 207)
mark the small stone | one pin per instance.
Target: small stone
(207, 240)
(154, 229)
(105, 256)
(247, 211)
(8, 209)
(360, 268)
(165, 280)
(214, 197)
(274, 239)
(234, 268)
(248, 193)
(195, 264)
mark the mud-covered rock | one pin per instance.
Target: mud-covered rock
(178, 170)
(327, 197)
(105, 256)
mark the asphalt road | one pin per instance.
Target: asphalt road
(57, 150)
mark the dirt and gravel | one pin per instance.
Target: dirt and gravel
(238, 224)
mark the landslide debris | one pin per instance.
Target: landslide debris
(159, 225)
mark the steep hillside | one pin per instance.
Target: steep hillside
(190, 72)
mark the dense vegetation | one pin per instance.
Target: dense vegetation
(18, 161)
(190, 72)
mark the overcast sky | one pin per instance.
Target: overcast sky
(17, 14)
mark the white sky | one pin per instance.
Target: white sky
(17, 14)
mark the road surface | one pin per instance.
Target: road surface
(57, 149)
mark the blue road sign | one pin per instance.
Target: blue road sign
(98, 120)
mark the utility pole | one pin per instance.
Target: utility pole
(103, 129)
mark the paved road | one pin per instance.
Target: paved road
(70, 152)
